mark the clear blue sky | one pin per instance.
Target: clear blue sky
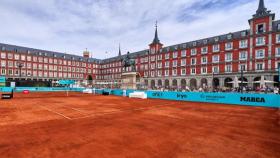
(100, 25)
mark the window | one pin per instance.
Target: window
(159, 65)
(10, 72)
(174, 63)
(243, 55)
(216, 48)
(193, 51)
(3, 55)
(153, 58)
(228, 57)
(10, 64)
(16, 56)
(193, 61)
(243, 67)
(243, 44)
(193, 71)
(204, 70)
(183, 53)
(260, 41)
(243, 33)
(215, 69)
(277, 52)
(204, 60)
(228, 68)
(205, 41)
(278, 27)
(22, 57)
(260, 28)
(278, 38)
(159, 73)
(260, 53)
(183, 71)
(152, 73)
(167, 56)
(204, 50)
(229, 36)
(174, 72)
(166, 73)
(259, 66)
(215, 58)
(3, 71)
(228, 46)
(10, 56)
(159, 57)
(3, 63)
(167, 64)
(175, 54)
(183, 62)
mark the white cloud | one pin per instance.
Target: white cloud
(99, 25)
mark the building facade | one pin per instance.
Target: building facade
(212, 62)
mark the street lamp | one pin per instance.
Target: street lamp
(241, 81)
(20, 65)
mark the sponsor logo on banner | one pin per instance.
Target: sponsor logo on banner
(157, 94)
(252, 99)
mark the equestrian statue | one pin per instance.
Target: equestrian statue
(128, 62)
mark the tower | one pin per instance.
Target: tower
(155, 46)
(262, 20)
(86, 53)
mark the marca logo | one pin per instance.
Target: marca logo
(252, 99)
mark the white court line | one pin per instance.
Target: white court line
(80, 111)
(56, 112)
(119, 111)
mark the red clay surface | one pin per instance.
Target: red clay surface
(50, 125)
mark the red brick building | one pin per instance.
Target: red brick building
(212, 61)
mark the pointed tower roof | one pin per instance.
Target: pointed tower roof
(262, 10)
(120, 53)
(156, 40)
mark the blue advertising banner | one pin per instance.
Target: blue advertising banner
(66, 82)
(266, 100)
(2, 79)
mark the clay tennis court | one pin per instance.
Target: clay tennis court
(49, 125)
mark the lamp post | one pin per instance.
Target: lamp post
(241, 81)
(213, 84)
(20, 65)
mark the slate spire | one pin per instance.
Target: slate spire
(156, 40)
(120, 53)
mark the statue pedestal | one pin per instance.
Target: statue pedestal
(129, 80)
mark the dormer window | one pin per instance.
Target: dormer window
(194, 44)
(40, 53)
(260, 28)
(3, 48)
(229, 36)
(278, 27)
(205, 41)
(184, 45)
(45, 54)
(243, 33)
(216, 39)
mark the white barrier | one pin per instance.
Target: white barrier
(141, 95)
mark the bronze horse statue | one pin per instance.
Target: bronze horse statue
(127, 62)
